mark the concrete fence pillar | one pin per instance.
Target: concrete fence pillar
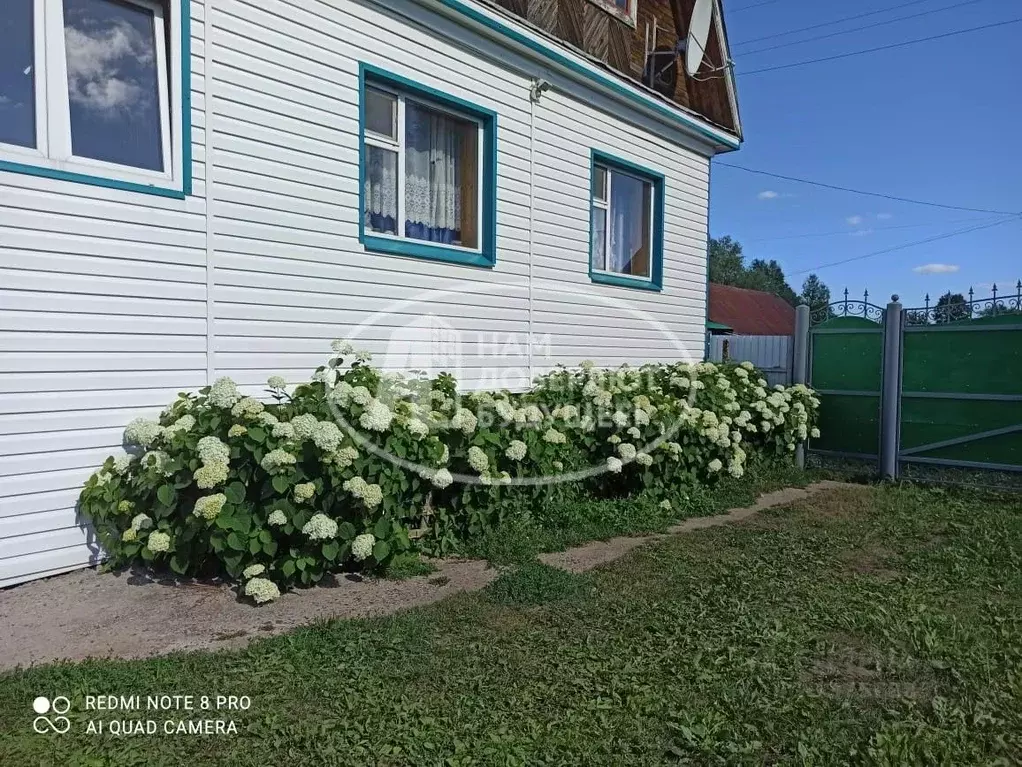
(800, 364)
(890, 399)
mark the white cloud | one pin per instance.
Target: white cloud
(854, 220)
(768, 194)
(96, 66)
(884, 216)
(861, 232)
(936, 269)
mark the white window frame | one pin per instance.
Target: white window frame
(378, 140)
(53, 148)
(629, 15)
(604, 204)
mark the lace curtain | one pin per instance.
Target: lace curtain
(433, 144)
(381, 189)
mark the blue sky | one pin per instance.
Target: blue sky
(935, 121)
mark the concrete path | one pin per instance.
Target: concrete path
(132, 615)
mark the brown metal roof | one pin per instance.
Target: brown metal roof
(751, 312)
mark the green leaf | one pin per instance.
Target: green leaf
(288, 568)
(259, 435)
(331, 549)
(265, 536)
(346, 531)
(165, 495)
(178, 565)
(270, 548)
(236, 542)
(280, 483)
(255, 546)
(381, 529)
(235, 492)
(381, 550)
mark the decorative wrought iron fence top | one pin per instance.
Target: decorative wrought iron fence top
(848, 307)
(955, 310)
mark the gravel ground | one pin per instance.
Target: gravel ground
(86, 614)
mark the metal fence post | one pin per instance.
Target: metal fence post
(800, 364)
(890, 401)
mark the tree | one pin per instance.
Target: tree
(952, 307)
(727, 264)
(815, 295)
(727, 267)
(913, 317)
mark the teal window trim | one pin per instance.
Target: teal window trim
(185, 16)
(656, 279)
(486, 256)
(630, 93)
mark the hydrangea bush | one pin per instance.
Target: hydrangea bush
(345, 471)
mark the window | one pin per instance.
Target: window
(86, 89)
(626, 227)
(428, 170)
(622, 9)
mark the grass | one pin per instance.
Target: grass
(872, 626)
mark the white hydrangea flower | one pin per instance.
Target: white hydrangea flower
(327, 376)
(698, 385)
(814, 433)
(442, 478)
(505, 410)
(614, 465)
(680, 382)
(356, 486)
(304, 491)
(715, 465)
(626, 450)
(158, 542)
(122, 463)
(554, 437)
(237, 431)
(533, 414)
(516, 450)
(748, 366)
(372, 496)
(341, 394)
(320, 527)
(614, 439)
(129, 535)
(211, 450)
(477, 459)
(619, 419)
(417, 428)
(445, 455)
(223, 393)
(558, 466)
(247, 407)
(182, 424)
(261, 590)
(464, 421)
(360, 396)
(142, 432)
(587, 364)
(141, 522)
(276, 518)
(156, 459)
(363, 356)
(342, 458)
(666, 505)
(342, 346)
(590, 389)
(209, 475)
(304, 426)
(277, 459)
(362, 547)
(376, 417)
(634, 432)
(735, 470)
(252, 571)
(276, 382)
(284, 430)
(644, 459)
(209, 506)
(567, 412)
(327, 436)
(641, 418)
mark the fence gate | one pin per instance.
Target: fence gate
(961, 384)
(845, 366)
(771, 354)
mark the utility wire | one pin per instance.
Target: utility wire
(883, 47)
(860, 29)
(754, 5)
(868, 194)
(904, 246)
(852, 232)
(827, 23)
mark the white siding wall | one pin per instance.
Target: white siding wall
(102, 317)
(103, 294)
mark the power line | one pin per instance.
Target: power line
(754, 5)
(860, 29)
(904, 246)
(827, 23)
(883, 47)
(868, 194)
(852, 232)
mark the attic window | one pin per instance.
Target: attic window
(620, 9)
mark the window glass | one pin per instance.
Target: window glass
(630, 203)
(113, 82)
(599, 238)
(17, 74)
(380, 192)
(441, 176)
(381, 113)
(599, 183)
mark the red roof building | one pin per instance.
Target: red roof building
(751, 312)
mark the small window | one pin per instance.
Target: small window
(626, 224)
(427, 177)
(622, 9)
(85, 87)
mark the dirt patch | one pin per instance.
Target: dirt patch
(590, 555)
(875, 562)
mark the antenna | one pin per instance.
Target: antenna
(698, 34)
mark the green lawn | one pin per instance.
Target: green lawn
(873, 626)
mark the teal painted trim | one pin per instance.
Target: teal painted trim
(417, 249)
(552, 54)
(186, 137)
(487, 257)
(656, 281)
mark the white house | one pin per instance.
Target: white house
(221, 187)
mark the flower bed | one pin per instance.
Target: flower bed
(356, 467)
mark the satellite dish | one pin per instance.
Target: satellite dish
(698, 34)
(661, 71)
